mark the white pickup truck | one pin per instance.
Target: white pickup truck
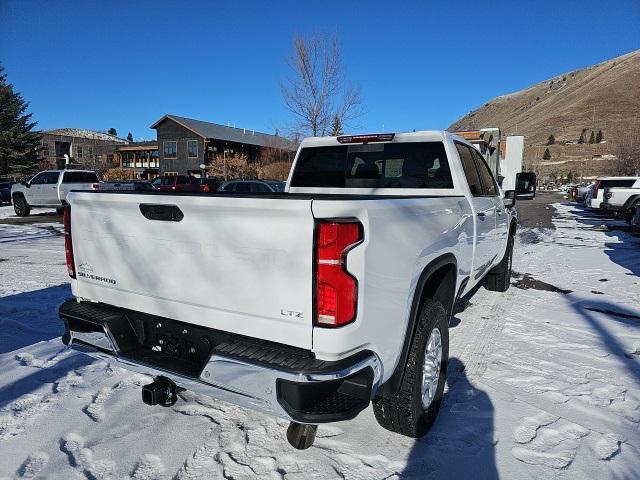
(50, 189)
(308, 304)
(622, 199)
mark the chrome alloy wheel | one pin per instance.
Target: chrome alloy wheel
(431, 368)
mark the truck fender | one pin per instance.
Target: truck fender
(437, 281)
(631, 202)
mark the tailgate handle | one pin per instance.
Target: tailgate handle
(166, 213)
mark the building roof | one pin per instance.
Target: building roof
(133, 146)
(216, 131)
(83, 133)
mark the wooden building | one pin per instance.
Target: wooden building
(142, 157)
(185, 144)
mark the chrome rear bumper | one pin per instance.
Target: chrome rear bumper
(288, 393)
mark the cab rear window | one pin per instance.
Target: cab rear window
(374, 165)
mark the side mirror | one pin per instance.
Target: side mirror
(509, 199)
(526, 186)
(25, 183)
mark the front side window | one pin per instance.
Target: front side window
(39, 179)
(374, 165)
(192, 148)
(170, 149)
(470, 171)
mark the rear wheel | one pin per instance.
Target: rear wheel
(499, 278)
(414, 408)
(20, 206)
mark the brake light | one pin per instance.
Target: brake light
(336, 289)
(68, 246)
(596, 186)
(374, 137)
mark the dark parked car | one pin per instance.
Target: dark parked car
(252, 186)
(177, 183)
(5, 192)
(208, 184)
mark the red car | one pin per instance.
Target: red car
(177, 183)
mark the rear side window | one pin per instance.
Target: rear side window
(52, 178)
(244, 187)
(183, 181)
(167, 181)
(375, 165)
(79, 177)
(260, 188)
(470, 171)
(489, 187)
(617, 183)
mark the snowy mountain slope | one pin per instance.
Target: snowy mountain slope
(542, 384)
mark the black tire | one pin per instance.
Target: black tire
(404, 413)
(499, 277)
(20, 206)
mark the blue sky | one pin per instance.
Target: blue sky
(422, 65)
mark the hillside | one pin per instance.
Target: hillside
(602, 97)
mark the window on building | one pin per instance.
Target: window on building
(170, 149)
(192, 148)
(79, 151)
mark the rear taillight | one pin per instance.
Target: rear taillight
(68, 246)
(596, 186)
(336, 288)
(95, 186)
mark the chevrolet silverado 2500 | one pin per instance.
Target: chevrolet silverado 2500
(308, 304)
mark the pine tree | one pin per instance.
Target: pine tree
(581, 139)
(570, 177)
(546, 155)
(113, 131)
(129, 137)
(19, 144)
(592, 138)
(551, 140)
(599, 136)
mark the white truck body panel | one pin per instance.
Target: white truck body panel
(242, 265)
(388, 265)
(511, 165)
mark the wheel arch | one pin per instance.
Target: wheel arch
(437, 281)
(15, 195)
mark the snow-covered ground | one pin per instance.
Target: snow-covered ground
(544, 382)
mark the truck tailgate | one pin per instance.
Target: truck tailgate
(237, 264)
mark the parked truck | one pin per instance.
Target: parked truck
(622, 200)
(308, 304)
(504, 156)
(50, 189)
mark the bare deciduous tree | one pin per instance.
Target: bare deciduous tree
(317, 91)
(627, 152)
